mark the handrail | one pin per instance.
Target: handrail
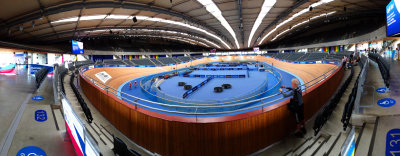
(262, 104)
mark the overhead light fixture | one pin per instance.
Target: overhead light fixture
(21, 28)
(266, 7)
(314, 5)
(134, 19)
(344, 9)
(311, 8)
(214, 10)
(145, 18)
(110, 32)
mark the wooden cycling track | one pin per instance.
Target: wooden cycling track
(121, 75)
(239, 134)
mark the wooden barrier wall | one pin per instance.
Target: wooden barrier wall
(236, 135)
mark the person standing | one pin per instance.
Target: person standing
(296, 105)
(135, 83)
(130, 85)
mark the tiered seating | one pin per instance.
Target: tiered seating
(327, 110)
(155, 61)
(143, 62)
(166, 60)
(79, 64)
(294, 56)
(114, 62)
(82, 102)
(270, 54)
(348, 108)
(121, 149)
(384, 67)
(40, 76)
(184, 59)
(281, 56)
(313, 57)
(197, 57)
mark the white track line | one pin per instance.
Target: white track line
(162, 68)
(8, 138)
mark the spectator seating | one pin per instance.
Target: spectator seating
(121, 149)
(166, 60)
(348, 108)
(146, 62)
(40, 76)
(327, 110)
(384, 67)
(184, 59)
(114, 62)
(81, 101)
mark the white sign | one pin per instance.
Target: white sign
(318, 62)
(103, 76)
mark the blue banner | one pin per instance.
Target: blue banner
(77, 47)
(37, 67)
(392, 15)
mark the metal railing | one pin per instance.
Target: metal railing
(361, 81)
(137, 101)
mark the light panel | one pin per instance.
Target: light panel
(267, 5)
(160, 31)
(216, 12)
(301, 23)
(314, 5)
(144, 18)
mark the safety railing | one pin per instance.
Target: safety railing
(152, 105)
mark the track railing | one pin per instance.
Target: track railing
(258, 103)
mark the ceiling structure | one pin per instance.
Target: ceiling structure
(220, 24)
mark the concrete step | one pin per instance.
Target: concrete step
(338, 145)
(325, 147)
(60, 119)
(314, 146)
(300, 147)
(365, 140)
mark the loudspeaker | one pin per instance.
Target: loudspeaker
(226, 86)
(187, 87)
(134, 19)
(181, 83)
(218, 89)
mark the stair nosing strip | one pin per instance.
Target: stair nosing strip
(371, 145)
(359, 136)
(334, 143)
(320, 145)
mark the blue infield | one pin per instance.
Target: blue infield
(242, 89)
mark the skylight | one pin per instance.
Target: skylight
(314, 5)
(145, 18)
(267, 5)
(214, 10)
(298, 24)
(106, 30)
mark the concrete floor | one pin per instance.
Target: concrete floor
(19, 129)
(373, 135)
(17, 111)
